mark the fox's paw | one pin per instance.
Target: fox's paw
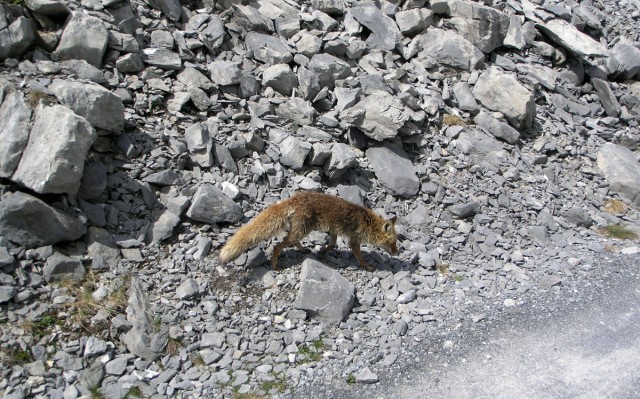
(366, 267)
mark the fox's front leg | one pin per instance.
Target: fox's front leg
(333, 238)
(355, 247)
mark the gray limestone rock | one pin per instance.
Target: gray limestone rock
(464, 211)
(224, 72)
(482, 25)
(379, 115)
(137, 339)
(625, 59)
(502, 92)
(281, 78)
(94, 180)
(384, 31)
(188, 289)
(7, 293)
(171, 8)
(191, 77)
(394, 170)
(366, 376)
(324, 294)
(85, 38)
(17, 38)
(294, 152)
(268, 49)
(328, 69)
(15, 116)
(341, 158)
(210, 205)
(199, 144)
(162, 58)
(444, 47)
(414, 21)
(53, 160)
(466, 101)
(30, 222)
(607, 98)
(621, 169)
(163, 227)
(500, 130)
(515, 37)
(100, 107)
(52, 8)
(297, 110)
(59, 267)
(102, 248)
(130, 63)
(569, 37)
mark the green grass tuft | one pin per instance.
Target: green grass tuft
(619, 231)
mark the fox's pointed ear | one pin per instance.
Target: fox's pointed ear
(390, 223)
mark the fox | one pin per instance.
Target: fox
(308, 211)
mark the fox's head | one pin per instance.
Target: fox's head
(388, 236)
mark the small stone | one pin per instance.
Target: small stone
(188, 289)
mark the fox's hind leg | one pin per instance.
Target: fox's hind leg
(292, 239)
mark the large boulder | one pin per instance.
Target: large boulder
(568, 36)
(502, 92)
(384, 31)
(16, 38)
(394, 170)
(438, 47)
(624, 62)
(324, 294)
(30, 222)
(379, 115)
(100, 107)
(84, 38)
(621, 168)
(268, 49)
(53, 160)
(15, 116)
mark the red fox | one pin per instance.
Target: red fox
(307, 211)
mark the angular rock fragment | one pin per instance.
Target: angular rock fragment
(210, 205)
(294, 152)
(53, 160)
(569, 37)
(162, 58)
(100, 107)
(268, 49)
(500, 130)
(324, 294)
(281, 78)
(501, 92)
(384, 31)
(59, 267)
(30, 222)
(394, 170)
(341, 158)
(15, 116)
(625, 59)
(379, 115)
(16, 38)
(84, 38)
(438, 47)
(607, 98)
(621, 169)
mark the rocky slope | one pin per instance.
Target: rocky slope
(136, 136)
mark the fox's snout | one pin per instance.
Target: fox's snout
(393, 250)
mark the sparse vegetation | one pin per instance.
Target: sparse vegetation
(278, 384)
(248, 395)
(453, 120)
(14, 357)
(351, 379)
(619, 231)
(196, 359)
(134, 392)
(34, 97)
(41, 327)
(173, 348)
(615, 206)
(443, 268)
(311, 352)
(95, 393)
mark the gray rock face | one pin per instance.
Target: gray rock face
(294, 152)
(621, 169)
(482, 25)
(102, 248)
(137, 339)
(501, 92)
(394, 170)
(569, 37)
(445, 47)
(162, 228)
(30, 222)
(199, 144)
(281, 78)
(171, 8)
(625, 57)
(94, 180)
(59, 267)
(15, 116)
(53, 8)
(53, 160)
(379, 115)
(324, 294)
(162, 58)
(188, 289)
(498, 129)
(414, 21)
(607, 98)
(224, 72)
(341, 159)
(130, 63)
(328, 69)
(100, 107)
(268, 49)
(465, 98)
(210, 205)
(384, 31)
(16, 38)
(84, 38)
(514, 37)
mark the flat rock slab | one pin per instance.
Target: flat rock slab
(15, 116)
(30, 222)
(379, 115)
(445, 47)
(394, 170)
(621, 169)
(324, 294)
(384, 31)
(569, 37)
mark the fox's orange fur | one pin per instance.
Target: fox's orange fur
(307, 211)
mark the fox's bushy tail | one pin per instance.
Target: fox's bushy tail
(267, 224)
